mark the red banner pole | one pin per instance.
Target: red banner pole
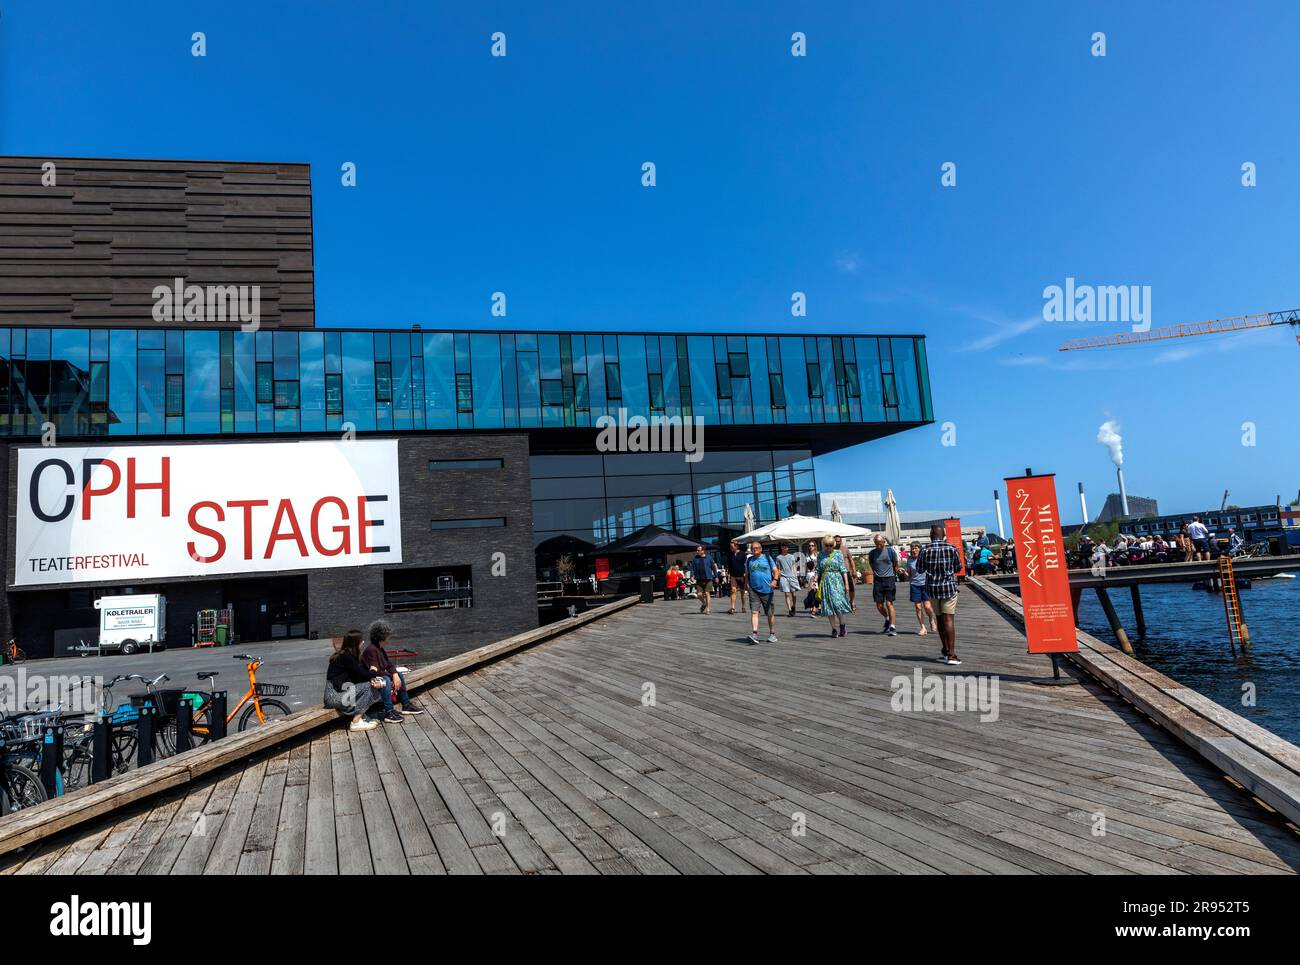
(1041, 563)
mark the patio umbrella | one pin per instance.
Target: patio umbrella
(749, 518)
(893, 527)
(796, 528)
(649, 539)
(836, 515)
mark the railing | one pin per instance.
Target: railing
(549, 591)
(442, 598)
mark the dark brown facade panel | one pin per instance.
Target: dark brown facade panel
(91, 249)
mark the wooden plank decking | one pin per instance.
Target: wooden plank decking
(548, 762)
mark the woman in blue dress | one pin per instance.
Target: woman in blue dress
(833, 586)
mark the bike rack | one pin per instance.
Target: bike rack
(217, 715)
(51, 756)
(184, 725)
(144, 738)
(101, 739)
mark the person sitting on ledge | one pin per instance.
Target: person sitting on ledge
(376, 658)
(349, 687)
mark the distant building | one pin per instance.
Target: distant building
(867, 508)
(1138, 506)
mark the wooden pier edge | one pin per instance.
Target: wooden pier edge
(54, 817)
(1265, 764)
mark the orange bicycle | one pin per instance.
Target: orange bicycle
(259, 710)
(13, 653)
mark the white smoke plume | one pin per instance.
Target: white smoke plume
(1108, 435)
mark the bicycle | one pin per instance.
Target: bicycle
(260, 709)
(13, 653)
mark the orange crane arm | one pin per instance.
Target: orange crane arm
(1235, 323)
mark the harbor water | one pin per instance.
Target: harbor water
(1187, 639)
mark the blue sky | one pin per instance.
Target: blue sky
(819, 174)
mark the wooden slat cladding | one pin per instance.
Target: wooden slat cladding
(90, 249)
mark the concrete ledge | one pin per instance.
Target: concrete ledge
(1262, 762)
(86, 804)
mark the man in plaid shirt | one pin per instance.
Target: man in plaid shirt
(940, 561)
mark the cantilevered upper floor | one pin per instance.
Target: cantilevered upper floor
(176, 381)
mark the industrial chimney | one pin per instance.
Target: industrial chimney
(1123, 493)
(1083, 505)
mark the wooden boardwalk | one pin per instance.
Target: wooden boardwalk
(549, 761)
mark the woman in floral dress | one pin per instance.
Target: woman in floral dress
(831, 580)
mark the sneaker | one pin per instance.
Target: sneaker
(363, 724)
(393, 717)
(844, 629)
(885, 628)
(412, 710)
(753, 639)
(952, 662)
(892, 631)
(771, 638)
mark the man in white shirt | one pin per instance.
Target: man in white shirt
(1200, 536)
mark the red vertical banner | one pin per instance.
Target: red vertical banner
(602, 568)
(1040, 559)
(952, 532)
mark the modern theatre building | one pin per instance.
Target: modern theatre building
(174, 422)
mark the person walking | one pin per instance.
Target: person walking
(883, 565)
(761, 575)
(832, 586)
(940, 561)
(790, 578)
(918, 594)
(672, 580)
(736, 561)
(1199, 534)
(810, 582)
(704, 571)
(850, 570)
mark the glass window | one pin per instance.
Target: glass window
(311, 381)
(359, 380)
(441, 464)
(635, 392)
(245, 382)
(613, 382)
(201, 383)
(909, 395)
(795, 380)
(739, 364)
(383, 382)
(477, 523)
(286, 394)
(121, 382)
(333, 395)
(485, 353)
(439, 381)
(152, 378)
(464, 392)
(265, 381)
(704, 377)
(175, 395)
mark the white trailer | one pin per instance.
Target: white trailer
(128, 624)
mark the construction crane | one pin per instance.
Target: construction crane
(1218, 326)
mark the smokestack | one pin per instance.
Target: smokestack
(1083, 505)
(1123, 493)
(997, 504)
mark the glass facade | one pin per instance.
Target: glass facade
(581, 502)
(158, 382)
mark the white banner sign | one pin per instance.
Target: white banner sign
(128, 513)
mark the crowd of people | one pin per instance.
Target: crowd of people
(820, 579)
(361, 676)
(1193, 542)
